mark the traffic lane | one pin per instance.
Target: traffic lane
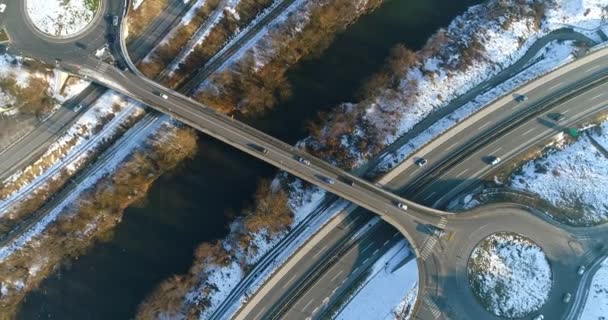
(328, 244)
(456, 140)
(476, 165)
(341, 274)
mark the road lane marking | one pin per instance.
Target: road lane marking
(525, 133)
(337, 275)
(494, 152)
(484, 125)
(308, 304)
(597, 96)
(289, 281)
(430, 195)
(593, 68)
(354, 220)
(319, 252)
(260, 313)
(365, 261)
(555, 85)
(375, 252)
(385, 243)
(367, 247)
(462, 172)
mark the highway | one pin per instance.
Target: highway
(442, 263)
(479, 141)
(516, 140)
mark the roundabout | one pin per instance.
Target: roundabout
(53, 30)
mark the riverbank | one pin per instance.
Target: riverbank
(90, 214)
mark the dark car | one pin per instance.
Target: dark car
(347, 181)
(557, 117)
(521, 98)
(258, 148)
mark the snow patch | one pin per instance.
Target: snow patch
(510, 275)
(60, 18)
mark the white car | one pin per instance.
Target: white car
(494, 160)
(580, 270)
(304, 161)
(163, 95)
(401, 206)
(2, 7)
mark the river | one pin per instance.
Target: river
(196, 202)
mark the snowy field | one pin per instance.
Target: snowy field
(573, 177)
(386, 288)
(510, 275)
(61, 18)
(596, 306)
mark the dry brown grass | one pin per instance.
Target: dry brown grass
(164, 54)
(34, 98)
(138, 20)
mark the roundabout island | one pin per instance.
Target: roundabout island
(509, 275)
(62, 19)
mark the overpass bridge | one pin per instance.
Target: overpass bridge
(442, 266)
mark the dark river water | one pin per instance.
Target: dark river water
(194, 203)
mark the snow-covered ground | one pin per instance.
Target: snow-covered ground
(260, 46)
(510, 275)
(137, 3)
(385, 287)
(596, 306)
(126, 145)
(61, 18)
(71, 150)
(12, 69)
(571, 176)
